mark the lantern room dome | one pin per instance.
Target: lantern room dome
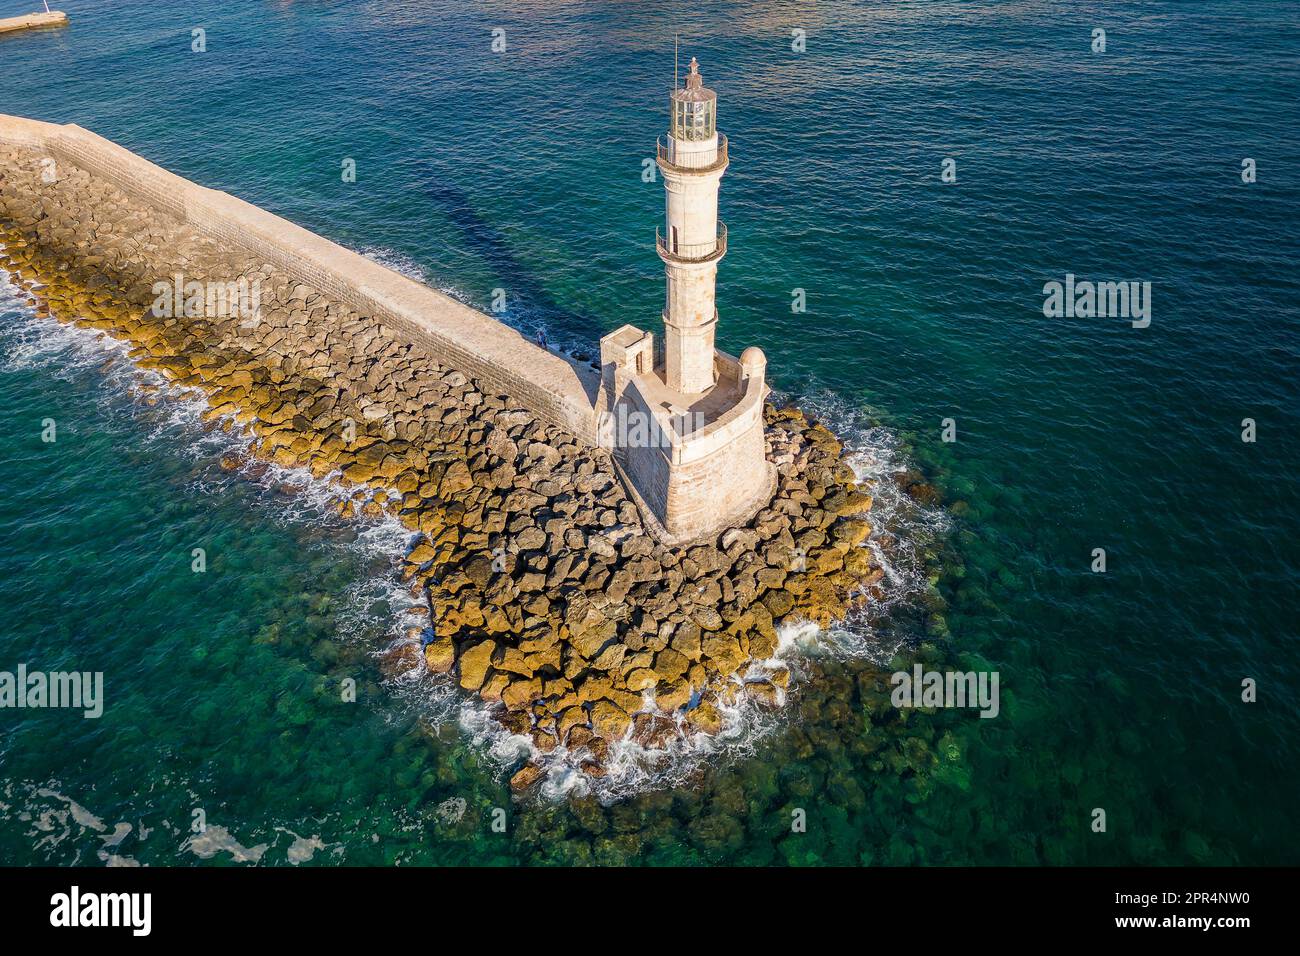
(694, 91)
(694, 108)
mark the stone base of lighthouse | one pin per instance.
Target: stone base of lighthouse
(695, 463)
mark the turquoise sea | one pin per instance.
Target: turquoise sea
(521, 170)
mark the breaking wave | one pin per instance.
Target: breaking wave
(903, 539)
(163, 411)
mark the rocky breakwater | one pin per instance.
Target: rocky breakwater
(533, 581)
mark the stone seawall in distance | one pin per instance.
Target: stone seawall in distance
(534, 582)
(33, 21)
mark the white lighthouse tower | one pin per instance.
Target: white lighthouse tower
(686, 426)
(692, 159)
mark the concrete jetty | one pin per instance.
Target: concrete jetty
(32, 21)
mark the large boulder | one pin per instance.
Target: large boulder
(440, 655)
(609, 720)
(474, 664)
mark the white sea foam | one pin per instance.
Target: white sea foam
(60, 828)
(55, 819)
(902, 532)
(163, 411)
(304, 848)
(629, 767)
(31, 342)
(397, 261)
(217, 839)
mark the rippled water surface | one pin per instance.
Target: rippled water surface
(522, 171)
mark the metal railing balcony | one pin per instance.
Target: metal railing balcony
(692, 252)
(684, 158)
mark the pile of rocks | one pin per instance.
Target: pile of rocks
(536, 584)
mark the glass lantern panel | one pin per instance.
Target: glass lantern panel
(694, 120)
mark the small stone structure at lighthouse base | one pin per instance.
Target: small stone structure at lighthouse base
(685, 421)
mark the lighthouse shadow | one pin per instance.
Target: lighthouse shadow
(486, 241)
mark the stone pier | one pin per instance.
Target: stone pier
(32, 21)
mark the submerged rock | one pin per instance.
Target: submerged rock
(525, 777)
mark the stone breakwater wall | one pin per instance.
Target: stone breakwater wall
(32, 21)
(559, 390)
(533, 581)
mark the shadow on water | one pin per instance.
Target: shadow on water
(487, 241)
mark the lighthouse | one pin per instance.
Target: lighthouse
(684, 422)
(692, 158)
